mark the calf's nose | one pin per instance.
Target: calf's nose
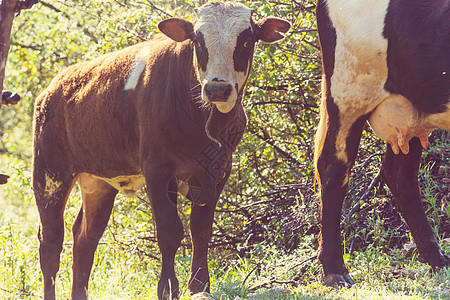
(217, 91)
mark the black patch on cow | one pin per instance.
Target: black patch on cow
(201, 51)
(243, 51)
(327, 39)
(418, 54)
(354, 138)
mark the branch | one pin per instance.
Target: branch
(31, 47)
(356, 207)
(150, 3)
(276, 102)
(85, 31)
(258, 265)
(304, 31)
(278, 149)
(25, 4)
(48, 5)
(366, 162)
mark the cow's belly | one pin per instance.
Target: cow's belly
(127, 184)
(397, 121)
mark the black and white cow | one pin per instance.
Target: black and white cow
(386, 62)
(168, 113)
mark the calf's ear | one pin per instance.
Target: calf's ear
(271, 29)
(177, 29)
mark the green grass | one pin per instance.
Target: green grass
(377, 276)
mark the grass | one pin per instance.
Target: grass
(120, 274)
(377, 276)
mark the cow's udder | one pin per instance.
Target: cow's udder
(397, 121)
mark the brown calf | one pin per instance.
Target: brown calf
(165, 113)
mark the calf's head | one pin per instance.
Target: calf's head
(224, 37)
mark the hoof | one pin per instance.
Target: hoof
(444, 263)
(202, 296)
(338, 280)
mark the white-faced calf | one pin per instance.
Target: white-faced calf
(168, 113)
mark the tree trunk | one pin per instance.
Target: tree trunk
(7, 10)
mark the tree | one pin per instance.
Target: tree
(7, 10)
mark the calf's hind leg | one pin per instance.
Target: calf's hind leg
(51, 191)
(98, 200)
(400, 172)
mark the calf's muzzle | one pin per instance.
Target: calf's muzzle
(217, 90)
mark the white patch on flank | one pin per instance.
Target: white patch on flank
(360, 68)
(220, 25)
(137, 68)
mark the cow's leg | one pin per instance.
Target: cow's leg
(162, 188)
(201, 230)
(400, 172)
(337, 141)
(98, 200)
(51, 190)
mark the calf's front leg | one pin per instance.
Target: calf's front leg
(201, 230)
